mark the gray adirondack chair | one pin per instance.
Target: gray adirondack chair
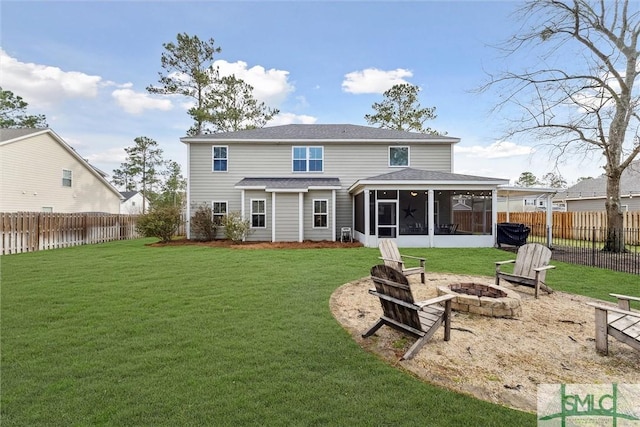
(401, 312)
(620, 322)
(531, 265)
(391, 256)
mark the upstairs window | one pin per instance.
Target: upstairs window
(320, 214)
(66, 178)
(398, 156)
(220, 158)
(219, 210)
(258, 213)
(308, 159)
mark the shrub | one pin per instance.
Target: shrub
(203, 225)
(235, 228)
(161, 222)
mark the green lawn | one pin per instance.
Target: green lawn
(126, 334)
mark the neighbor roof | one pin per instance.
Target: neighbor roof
(9, 134)
(597, 187)
(322, 132)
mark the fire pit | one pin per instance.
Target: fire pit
(486, 300)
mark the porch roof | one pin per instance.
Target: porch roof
(410, 176)
(289, 184)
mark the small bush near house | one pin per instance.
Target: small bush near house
(235, 228)
(203, 225)
(161, 222)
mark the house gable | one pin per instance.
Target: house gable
(42, 172)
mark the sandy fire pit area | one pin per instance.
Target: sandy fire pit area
(499, 360)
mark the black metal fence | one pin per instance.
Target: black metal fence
(586, 247)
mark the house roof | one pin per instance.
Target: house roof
(128, 194)
(289, 184)
(410, 174)
(320, 132)
(10, 136)
(597, 187)
(426, 177)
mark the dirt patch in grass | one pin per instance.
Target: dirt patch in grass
(495, 359)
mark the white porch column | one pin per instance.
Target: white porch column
(187, 226)
(367, 223)
(300, 217)
(273, 217)
(430, 217)
(549, 220)
(494, 213)
(242, 210)
(242, 206)
(333, 214)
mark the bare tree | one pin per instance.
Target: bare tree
(589, 103)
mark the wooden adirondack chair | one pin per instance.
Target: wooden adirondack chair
(532, 263)
(390, 254)
(620, 322)
(419, 319)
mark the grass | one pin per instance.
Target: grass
(126, 334)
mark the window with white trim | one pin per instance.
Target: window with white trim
(219, 210)
(258, 213)
(308, 159)
(320, 213)
(399, 156)
(67, 178)
(220, 158)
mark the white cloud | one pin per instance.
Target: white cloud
(137, 102)
(42, 85)
(498, 149)
(372, 80)
(269, 86)
(290, 118)
(114, 155)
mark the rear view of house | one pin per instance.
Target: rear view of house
(309, 182)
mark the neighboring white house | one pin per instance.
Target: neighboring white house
(308, 182)
(590, 194)
(40, 172)
(133, 203)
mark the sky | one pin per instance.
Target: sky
(85, 65)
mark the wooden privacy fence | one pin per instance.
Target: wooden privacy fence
(574, 225)
(34, 231)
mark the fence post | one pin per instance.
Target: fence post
(593, 246)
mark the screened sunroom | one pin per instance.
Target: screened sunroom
(426, 209)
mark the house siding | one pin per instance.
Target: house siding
(596, 205)
(287, 220)
(311, 233)
(258, 234)
(348, 162)
(31, 179)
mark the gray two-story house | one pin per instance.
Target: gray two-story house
(316, 182)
